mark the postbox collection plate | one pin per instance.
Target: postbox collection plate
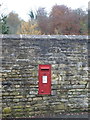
(44, 79)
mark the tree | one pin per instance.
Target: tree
(83, 19)
(29, 28)
(64, 20)
(89, 21)
(13, 21)
(42, 20)
(0, 23)
(31, 14)
(61, 20)
(5, 28)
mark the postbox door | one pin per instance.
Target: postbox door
(44, 79)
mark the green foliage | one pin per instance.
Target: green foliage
(31, 14)
(5, 28)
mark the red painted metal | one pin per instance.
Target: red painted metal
(44, 77)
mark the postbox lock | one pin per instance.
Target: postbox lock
(44, 73)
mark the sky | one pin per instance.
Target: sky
(22, 7)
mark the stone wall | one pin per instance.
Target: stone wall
(21, 56)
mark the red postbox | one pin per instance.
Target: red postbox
(44, 79)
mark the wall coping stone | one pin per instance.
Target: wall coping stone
(59, 37)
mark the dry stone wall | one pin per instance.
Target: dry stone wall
(21, 55)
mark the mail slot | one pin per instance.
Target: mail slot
(44, 79)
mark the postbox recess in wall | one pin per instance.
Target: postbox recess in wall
(44, 76)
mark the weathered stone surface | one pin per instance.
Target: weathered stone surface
(21, 55)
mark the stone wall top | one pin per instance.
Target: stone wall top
(59, 37)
